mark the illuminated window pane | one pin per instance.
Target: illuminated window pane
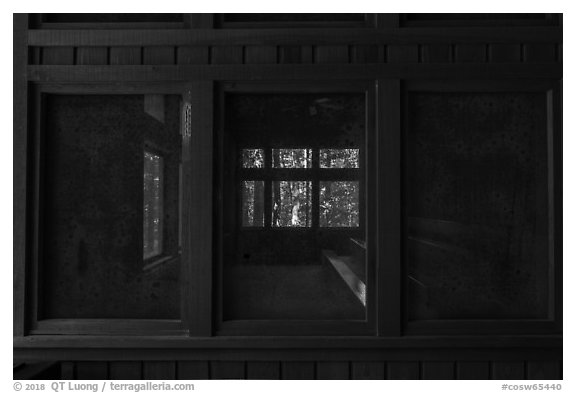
(292, 158)
(252, 158)
(253, 203)
(291, 203)
(339, 204)
(153, 184)
(339, 158)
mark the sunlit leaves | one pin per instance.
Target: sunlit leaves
(252, 158)
(339, 204)
(291, 204)
(253, 203)
(339, 158)
(292, 158)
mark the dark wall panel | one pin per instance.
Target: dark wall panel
(366, 54)
(295, 54)
(540, 53)
(125, 55)
(159, 55)
(193, 55)
(402, 54)
(125, 370)
(333, 370)
(159, 370)
(508, 370)
(263, 370)
(368, 370)
(438, 370)
(92, 56)
(309, 370)
(473, 370)
(505, 53)
(92, 370)
(58, 56)
(260, 54)
(543, 370)
(227, 370)
(436, 53)
(193, 370)
(470, 53)
(332, 54)
(403, 370)
(298, 370)
(68, 370)
(227, 54)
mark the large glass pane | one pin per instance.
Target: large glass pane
(291, 204)
(339, 204)
(477, 239)
(111, 207)
(306, 262)
(291, 158)
(252, 158)
(339, 158)
(253, 203)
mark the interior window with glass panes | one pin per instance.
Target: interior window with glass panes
(293, 207)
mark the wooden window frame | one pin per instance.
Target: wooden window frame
(315, 175)
(300, 327)
(201, 260)
(552, 324)
(38, 22)
(34, 324)
(161, 254)
(369, 21)
(548, 20)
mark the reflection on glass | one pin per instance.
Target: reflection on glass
(292, 158)
(252, 158)
(153, 180)
(339, 158)
(298, 265)
(477, 240)
(291, 203)
(111, 217)
(253, 203)
(339, 204)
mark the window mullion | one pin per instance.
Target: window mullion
(268, 188)
(315, 188)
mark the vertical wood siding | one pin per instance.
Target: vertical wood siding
(199, 370)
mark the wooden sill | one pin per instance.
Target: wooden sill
(345, 268)
(154, 263)
(275, 342)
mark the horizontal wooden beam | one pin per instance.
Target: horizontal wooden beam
(318, 342)
(304, 36)
(106, 326)
(72, 74)
(290, 354)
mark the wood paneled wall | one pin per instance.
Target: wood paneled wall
(445, 370)
(112, 56)
(478, 53)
